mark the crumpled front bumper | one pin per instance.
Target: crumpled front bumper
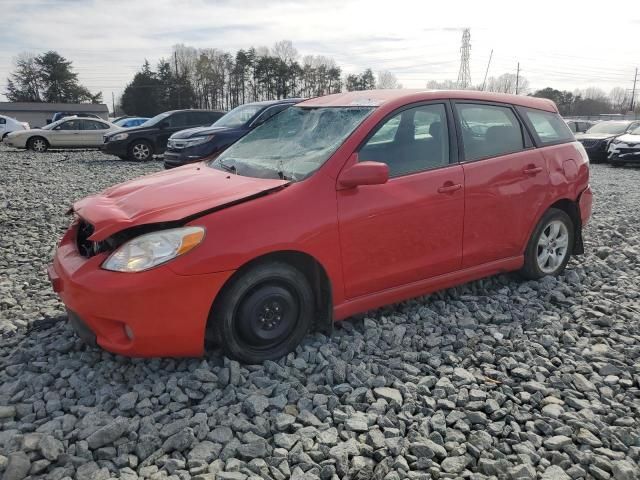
(147, 314)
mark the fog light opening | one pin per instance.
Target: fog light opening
(128, 332)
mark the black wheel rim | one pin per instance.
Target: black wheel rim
(267, 315)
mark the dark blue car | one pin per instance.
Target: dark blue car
(196, 144)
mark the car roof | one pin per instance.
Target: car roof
(377, 98)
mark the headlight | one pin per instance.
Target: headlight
(118, 136)
(153, 249)
(192, 142)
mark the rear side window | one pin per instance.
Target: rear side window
(489, 130)
(2, 121)
(548, 128)
(93, 125)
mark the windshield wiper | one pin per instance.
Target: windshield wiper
(227, 167)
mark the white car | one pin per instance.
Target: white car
(625, 148)
(70, 132)
(8, 125)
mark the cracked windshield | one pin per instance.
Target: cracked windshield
(293, 144)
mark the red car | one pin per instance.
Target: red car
(338, 205)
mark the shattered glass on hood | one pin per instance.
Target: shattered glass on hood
(293, 144)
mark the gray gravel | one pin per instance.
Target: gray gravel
(494, 379)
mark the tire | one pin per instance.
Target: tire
(140, 151)
(264, 313)
(38, 144)
(550, 245)
(4, 136)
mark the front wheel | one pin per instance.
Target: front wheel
(264, 313)
(37, 144)
(140, 151)
(550, 245)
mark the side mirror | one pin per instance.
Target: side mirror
(364, 173)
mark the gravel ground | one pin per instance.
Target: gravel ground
(494, 379)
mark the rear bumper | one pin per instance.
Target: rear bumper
(165, 314)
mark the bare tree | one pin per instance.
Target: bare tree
(442, 85)
(285, 51)
(620, 99)
(386, 79)
(508, 83)
(594, 93)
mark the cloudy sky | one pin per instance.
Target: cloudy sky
(561, 44)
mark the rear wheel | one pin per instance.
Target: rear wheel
(140, 151)
(37, 144)
(4, 136)
(264, 313)
(550, 245)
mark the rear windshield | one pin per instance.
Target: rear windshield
(548, 128)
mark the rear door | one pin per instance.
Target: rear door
(409, 228)
(93, 131)
(506, 181)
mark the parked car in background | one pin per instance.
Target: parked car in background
(321, 213)
(195, 144)
(128, 122)
(596, 140)
(625, 148)
(580, 126)
(8, 125)
(60, 115)
(70, 132)
(142, 142)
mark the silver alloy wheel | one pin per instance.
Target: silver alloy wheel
(141, 151)
(39, 145)
(553, 246)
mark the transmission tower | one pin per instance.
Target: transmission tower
(464, 76)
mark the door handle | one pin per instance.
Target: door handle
(449, 187)
(532, 170)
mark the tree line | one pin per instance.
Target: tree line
(213, 79)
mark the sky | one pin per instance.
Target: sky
(566, 45)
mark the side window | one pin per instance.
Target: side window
(180, 119)
(199, 118)
(269, 112)
(488, 130)
(3, 121)
(70, 125)
(415, 139)
(548, 128)
(93, 125)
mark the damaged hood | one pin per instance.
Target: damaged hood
(168, 196)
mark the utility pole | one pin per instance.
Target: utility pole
(518, 78)
(484, 83)
(113, 103)
(175, 58)
(633, 92)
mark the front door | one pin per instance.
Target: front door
(409, 228)
(172, 124)
(506, 182)
(67, 134)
